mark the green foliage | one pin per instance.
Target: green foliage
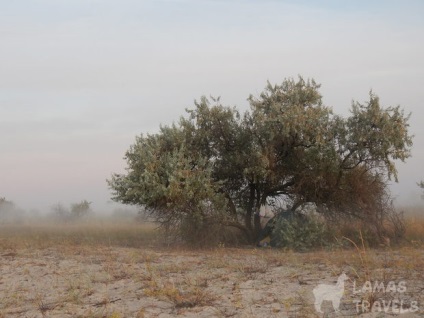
(301, 234)
(216, 167)
(379, 135)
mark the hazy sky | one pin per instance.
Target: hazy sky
(79, 79)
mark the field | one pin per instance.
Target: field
(123, 269)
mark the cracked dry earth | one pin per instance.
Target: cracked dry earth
(115, 282)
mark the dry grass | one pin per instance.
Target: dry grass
(123, 269)
(415, 230)
(91, 233)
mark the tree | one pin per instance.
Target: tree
(60, 212)
(81, 209)
(6, 204)
(76, 211)
(216, 167)
(7, 209)
(9, 212)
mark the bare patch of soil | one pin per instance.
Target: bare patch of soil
(84, 281)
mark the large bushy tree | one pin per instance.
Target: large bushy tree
(216, 167)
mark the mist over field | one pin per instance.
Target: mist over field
(79, 80)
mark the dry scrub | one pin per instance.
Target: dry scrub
(107, 269)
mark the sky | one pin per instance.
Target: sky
(79, 79)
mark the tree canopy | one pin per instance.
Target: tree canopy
(217, 167)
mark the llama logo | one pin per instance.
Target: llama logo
(333, 293)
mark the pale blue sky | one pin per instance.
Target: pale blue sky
(80, 79)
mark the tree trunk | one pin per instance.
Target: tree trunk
(249, 211)
(257, 218)
(231, 206)
(258, 228)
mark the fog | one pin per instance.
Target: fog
(80, 79)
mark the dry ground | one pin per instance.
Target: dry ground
(117, 270)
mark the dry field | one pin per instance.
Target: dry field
(120, 269)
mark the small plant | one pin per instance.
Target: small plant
(191, 297)
(365, 272)
(44, 307)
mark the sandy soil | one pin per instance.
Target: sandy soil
(80, 281)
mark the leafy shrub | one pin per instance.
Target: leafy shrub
(301, 233)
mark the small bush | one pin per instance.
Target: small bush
(301, 233)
